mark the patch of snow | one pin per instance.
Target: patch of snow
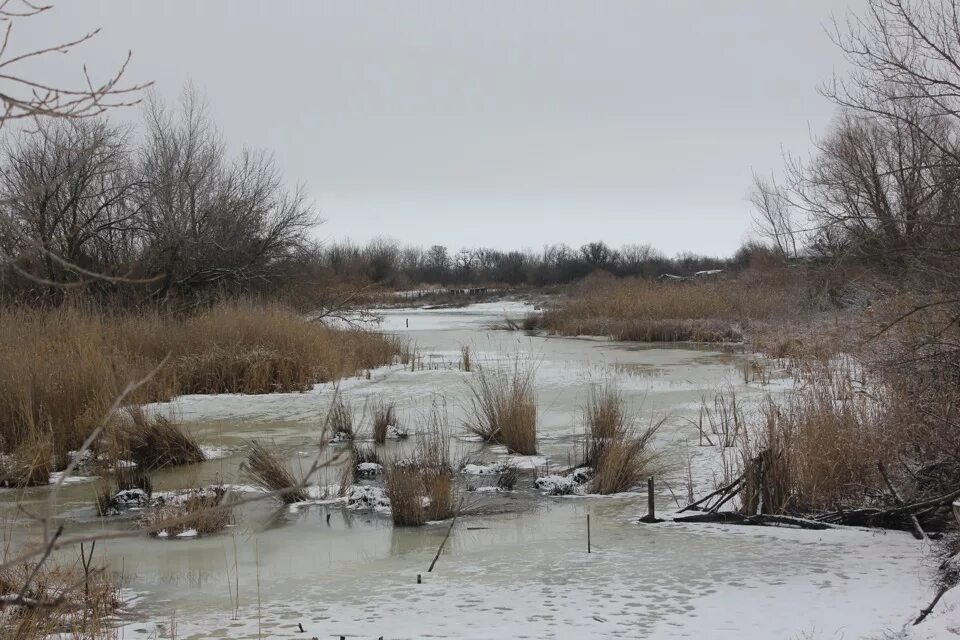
(189, 533)
(369, 469)
(364, 497)
(397, 433)
(495, 468)
(570, 484)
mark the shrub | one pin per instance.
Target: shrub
(504, 408)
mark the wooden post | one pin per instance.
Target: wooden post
(651, 516)
(419, 579)
(588, 534)
(651, 505)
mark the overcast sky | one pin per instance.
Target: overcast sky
(508, 124)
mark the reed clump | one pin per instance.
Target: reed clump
(61, 369)
(619, 452)
(340, 420)
(265, 468)
(154, 442)
(199, 512)
(421, 488)
(384, 416)
(504, 408)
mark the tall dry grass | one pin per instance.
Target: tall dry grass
(153, 442)
(265, 468)
(619, 452)
(504, 407)
(80, 602)
(61, 369)
(421, 488)
(384, 416)
(710, 310)
(819, 448)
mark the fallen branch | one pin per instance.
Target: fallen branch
(918, 531)
(765, 520)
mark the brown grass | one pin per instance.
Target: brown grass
(614, 447)
(82, 603)
(714, 310)
(154, 442)
(819, 449)
(384, 415)
(265, 468)
(340, 419)
(421, 488)
(504, 408)
(207, 511)
(61, 369)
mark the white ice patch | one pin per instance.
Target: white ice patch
(215, 453)
(56, 477)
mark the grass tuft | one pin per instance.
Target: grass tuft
(504, 408)
(156, 442)
(266, 469)
(617, 450)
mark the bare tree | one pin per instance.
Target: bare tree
(774, 216)
(24, 97)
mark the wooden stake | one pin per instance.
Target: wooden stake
(588, 534)
(651, 506)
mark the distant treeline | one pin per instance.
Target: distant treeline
(386, 261)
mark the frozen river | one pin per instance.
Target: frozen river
(522, 570)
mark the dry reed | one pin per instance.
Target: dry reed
(504, 408)
(384, 416)
(61, 369)
(155, 442)
(616, 449)
(266, 469)
(634, 309)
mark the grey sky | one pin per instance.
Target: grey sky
(508, 124)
